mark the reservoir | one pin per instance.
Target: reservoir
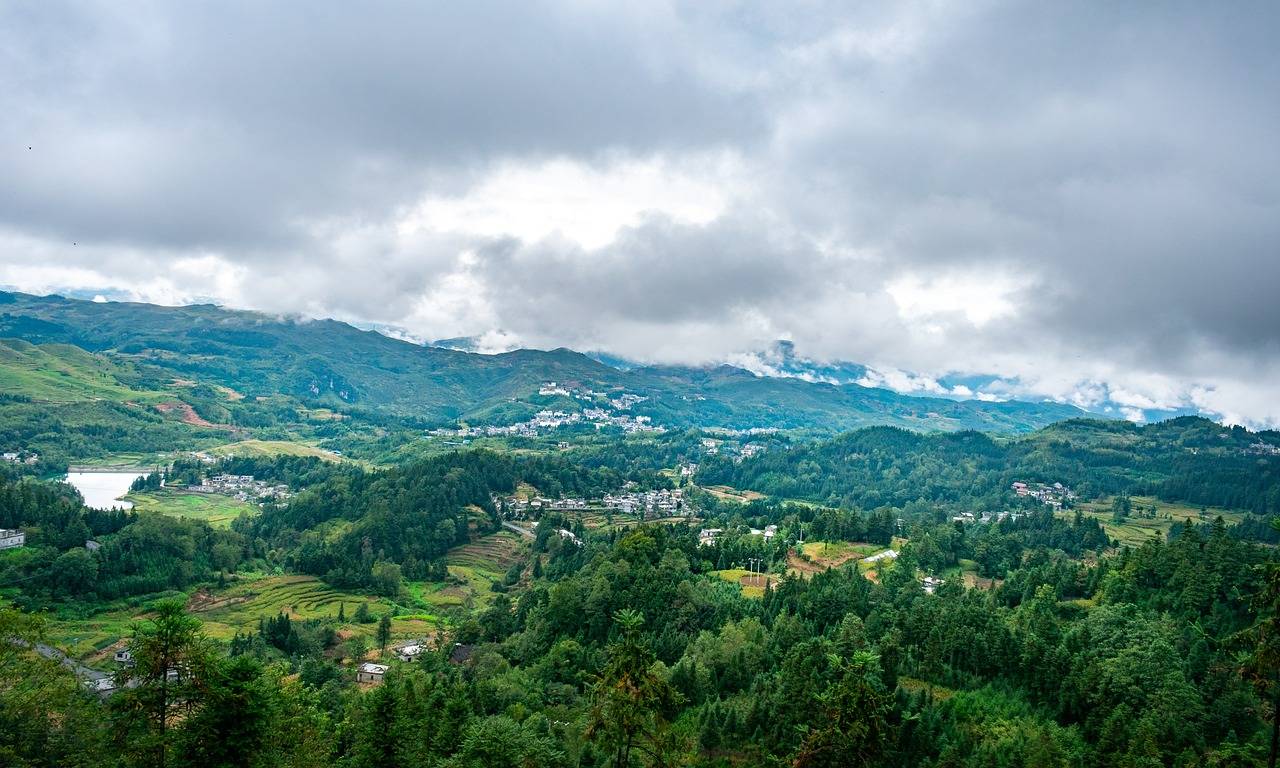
(102, 490)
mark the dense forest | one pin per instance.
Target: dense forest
(136, 554)
(621, 653)
(626, 646)
(1188, 459)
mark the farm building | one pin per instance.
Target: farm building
(103, 686)
(370, 673)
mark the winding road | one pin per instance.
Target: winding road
(49, 652)
(522, 531)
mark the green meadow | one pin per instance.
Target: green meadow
(214, 508)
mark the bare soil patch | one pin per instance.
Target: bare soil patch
(186, 413)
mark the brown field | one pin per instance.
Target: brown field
(725, 493)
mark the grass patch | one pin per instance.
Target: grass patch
(215, 509)
(1136, 529)
(913, 685)
(752, 584)
(833, 553)
(61, 373)
(252, 448)
(725, 493)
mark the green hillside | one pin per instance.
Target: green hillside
(62, 373)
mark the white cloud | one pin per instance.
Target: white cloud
(980, 297)
(586, 204)
(933, 188)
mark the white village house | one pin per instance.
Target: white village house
(371, 673)
(12, 537)
(103, 686)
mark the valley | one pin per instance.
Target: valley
(388, 519)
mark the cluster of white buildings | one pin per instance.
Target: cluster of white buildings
(548, 420)
(20, 457)
(711, 446)
(661, 503)
(1053, 495)
(709, 536)
(1262, 449)
(624, 401)
(620, 402)
(551, 389)
(749, 432)
(242, 487)
(768, 532)
(985, 517)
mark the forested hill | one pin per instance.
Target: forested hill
(1186, 459)
(337, 365)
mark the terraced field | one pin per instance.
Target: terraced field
(473, 569)
(495, 552)
(301, 597)
(237, 608)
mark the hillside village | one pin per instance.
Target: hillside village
(242, 488)
(1055, 495)
(646, 504)
(600, 411)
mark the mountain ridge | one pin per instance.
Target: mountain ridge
(326, 360)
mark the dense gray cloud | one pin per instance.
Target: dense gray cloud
(1083, 199)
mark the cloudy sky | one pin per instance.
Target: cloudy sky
(1080, 198)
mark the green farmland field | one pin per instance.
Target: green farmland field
(214, 508)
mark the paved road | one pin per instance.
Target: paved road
(522, 531)
(49, 652)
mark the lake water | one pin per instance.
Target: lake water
(102, 490)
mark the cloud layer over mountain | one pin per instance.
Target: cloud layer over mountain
(1082, 199)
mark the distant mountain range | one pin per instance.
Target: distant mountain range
(325, 362)
(780, 360)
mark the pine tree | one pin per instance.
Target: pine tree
(384, 631)
(629, 697)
